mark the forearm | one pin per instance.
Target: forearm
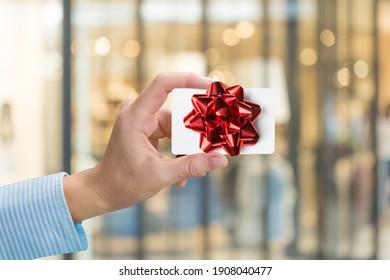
(35, 221)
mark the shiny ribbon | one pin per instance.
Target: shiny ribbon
(224, 119)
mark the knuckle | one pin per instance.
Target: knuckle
(159, 79)
(196, 168)
(190, 77)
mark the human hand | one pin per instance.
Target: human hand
(132, 169)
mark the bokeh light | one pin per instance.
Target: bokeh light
(343, 77)
(230, 37)
(361, 69)
(308, 56)
(102, 46)
(245, 29)
(327, 38)
(131, 48)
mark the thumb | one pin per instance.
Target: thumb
(195, 165)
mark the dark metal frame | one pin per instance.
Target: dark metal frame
(66, 91)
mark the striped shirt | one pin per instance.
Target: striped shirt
(35, 220)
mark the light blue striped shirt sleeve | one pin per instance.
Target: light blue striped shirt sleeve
(35, 220)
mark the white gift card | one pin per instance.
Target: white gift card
(186, 141)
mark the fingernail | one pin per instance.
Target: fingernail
(181, 184)
(217, 162)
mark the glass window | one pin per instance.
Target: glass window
(30, 89)
(314, 197)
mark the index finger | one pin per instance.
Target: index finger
(154, 95)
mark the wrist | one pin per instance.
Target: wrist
(83, 200)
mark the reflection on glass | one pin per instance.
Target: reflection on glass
(311, 199)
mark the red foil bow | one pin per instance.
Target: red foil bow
(224, 119)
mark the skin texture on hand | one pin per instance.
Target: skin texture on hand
(132, 169)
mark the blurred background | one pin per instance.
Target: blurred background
(65, 66)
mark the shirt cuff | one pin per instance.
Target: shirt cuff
(77, 239)
(35, 220)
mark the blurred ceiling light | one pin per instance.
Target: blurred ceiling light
(327, 38)
(86, 13)
(308, 56)
(230, 37)
(213, 56)
(343, 76)
(245, 29)
(361, 69)
(131, 48)
(52, 14)
(102, 46)
(189, 11)
(228, 11)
